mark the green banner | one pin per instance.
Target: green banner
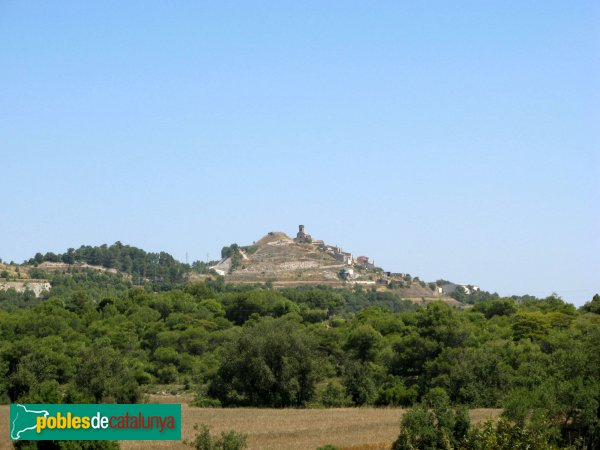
(95, 422)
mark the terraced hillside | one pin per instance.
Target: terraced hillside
(287, 262)
(278, 258)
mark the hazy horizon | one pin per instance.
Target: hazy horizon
(455, 141)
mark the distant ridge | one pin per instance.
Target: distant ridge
(275, 259)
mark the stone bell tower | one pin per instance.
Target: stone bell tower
(302, 237)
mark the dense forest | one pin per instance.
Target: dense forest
(95, 337)
(160, 268)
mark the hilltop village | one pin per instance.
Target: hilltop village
(276, 259)
(286, 261)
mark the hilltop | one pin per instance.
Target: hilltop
(283, 261)
(277, 257)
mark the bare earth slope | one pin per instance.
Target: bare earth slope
(278, 258)
(285, 262)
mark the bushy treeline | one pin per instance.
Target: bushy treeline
(242, 346)
(436, 424)
(141, 265)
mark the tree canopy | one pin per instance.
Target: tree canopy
(95, 337)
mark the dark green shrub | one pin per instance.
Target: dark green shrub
(231, 440)
(333, 395)
(167, 374)
(433, 424)
(397, 395)
(228, 440)
(202, 401)
(507, 436)
(359, 383)
(36, 273)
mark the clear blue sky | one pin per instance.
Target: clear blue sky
(445, 139)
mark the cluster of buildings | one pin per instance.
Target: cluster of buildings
(353, 268)
(449, 288)
(340, 255)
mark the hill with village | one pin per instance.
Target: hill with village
(288, 323)
(283, 261)
(276, 259)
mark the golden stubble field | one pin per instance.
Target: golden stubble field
(282, 429)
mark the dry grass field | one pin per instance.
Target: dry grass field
(283, 429)
(4, 432)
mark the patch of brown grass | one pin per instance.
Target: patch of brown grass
(480, 415)
(291, 429)
(282, 429)
(4, 427)
(377, 446)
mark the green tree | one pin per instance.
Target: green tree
(103, 377)
(433, 424)
(592, 306)
(272, 362)
(359, 380)
(504, 307)
(364, 341)
(333, 395)
(396, 394)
